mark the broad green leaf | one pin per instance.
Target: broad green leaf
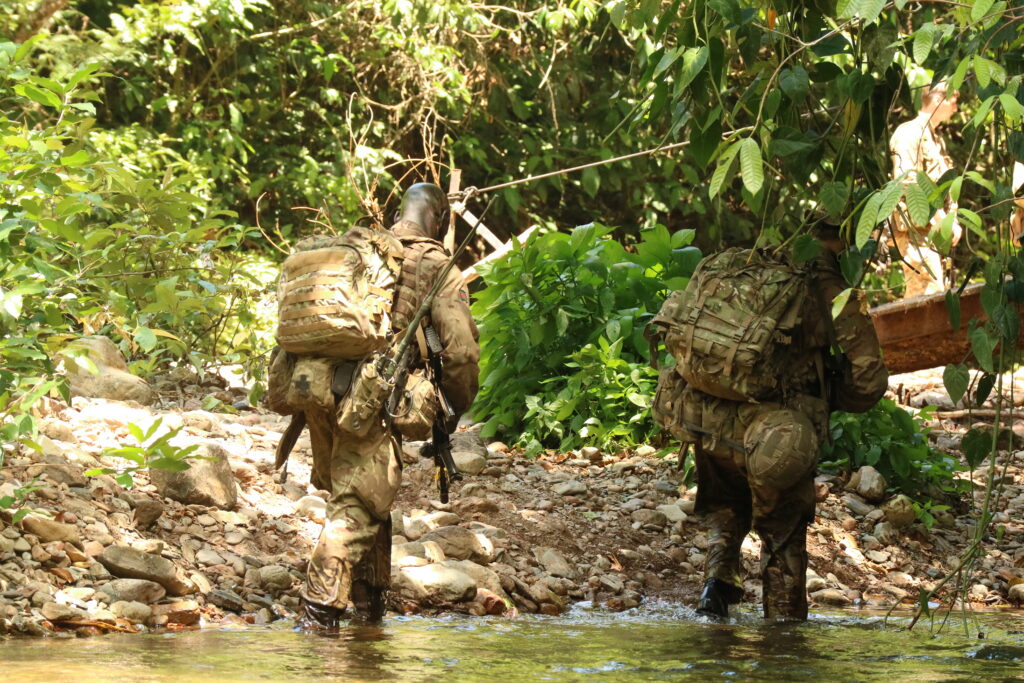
(591, 181)
(833, 197)
(616, 12)
(751, 165)
(805, 248)
(667, 60)
(38, 95)
(839, 303)
(77, 159)
(924, 38)
(694, 60)
(954, 188)
(917, 204)
(145, 338)
(976, 445)
(953, 309)
(960, 73)
(981, 9)
(956, 378)
(982, 344)
(869, 218)
(722, 170)
(794, 82)
(982, 70)
(26, 46)
(985, 385)
(1011, 107)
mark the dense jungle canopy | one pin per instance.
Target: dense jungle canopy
(158, 158)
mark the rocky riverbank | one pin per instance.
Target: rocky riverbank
(227, 542)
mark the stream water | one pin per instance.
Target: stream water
(656, 642)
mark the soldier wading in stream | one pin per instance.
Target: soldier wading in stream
(343, 302)
(759, 365)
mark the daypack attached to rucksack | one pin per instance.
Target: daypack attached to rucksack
(731, 330)
(335, 294)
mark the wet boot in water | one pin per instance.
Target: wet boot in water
(368, 603)
(318, 618)
(716, 598)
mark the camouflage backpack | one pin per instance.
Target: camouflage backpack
(335, 294)
(731, 331)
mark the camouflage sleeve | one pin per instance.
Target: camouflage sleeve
(865, 377)
(458, 333)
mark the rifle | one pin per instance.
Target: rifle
(440, 445)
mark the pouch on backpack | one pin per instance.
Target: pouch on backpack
(310, 385)
(363, 405)
(335, 294)
(417, 409)
(279, 377)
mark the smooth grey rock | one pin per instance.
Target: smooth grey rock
(857, 506)
(147, 511)
(573, 487)
(673, 513)
(226, 599)
(435, 584)
(484, 577)
(469, 462)
(113, 380)
(397, 523)
(653, 518)
(416, 527)
(54, 611)
(209, 557)
(311, 507)
(869, 484)
(1016, 593)
(830, 596)
(132, 590)
(48, 530)
(554, 562)
(129, 563)
(135, 612)
(428, 551)
(815, 584)
(275, 577)
(205, 482)
(461, 544)
(899, 511)
(886, 533)
(469, 441)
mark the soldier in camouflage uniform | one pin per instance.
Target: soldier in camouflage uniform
(352, 558)
(756, 461)
(917, 147)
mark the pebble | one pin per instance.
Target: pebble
(573, 487)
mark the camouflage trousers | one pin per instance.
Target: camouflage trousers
(733, 501)
(352, 558)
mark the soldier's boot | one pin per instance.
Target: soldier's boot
(368, 603)
(718, 594)
(316, 618)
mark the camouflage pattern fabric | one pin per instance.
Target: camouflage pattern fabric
(755, 461)
(351, 563)
(363, 475)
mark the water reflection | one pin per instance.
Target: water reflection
(657, 642)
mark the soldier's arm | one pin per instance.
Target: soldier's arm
(866, 377)
(906, 154)
(458, 333)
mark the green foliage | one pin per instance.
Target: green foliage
(894, 442)
(563, 357)
(152, 452)
(17, 502)
(88, 245)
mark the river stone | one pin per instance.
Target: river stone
(673, 513)
(869, 484)
(275, 577)
(815, 584)
(58, 474)
(416, 527)
(830, 596)
(48, 530)
(554, 562)
(311, 507)
(206, 482)
(484, 577)
(468, 462)
(113, 381)
(899, 511)
(132, 590)
(856, 505)
(886, 533)
(468, 442)
(652, 518)
(129, 563)
(397, 523)
(147, 511)
(226, 599)
(428, 551)
(54, 611)
(135, 612)
(209, 557)
(435, 584)
(573, 487)
(461, 544)
(1016, 593)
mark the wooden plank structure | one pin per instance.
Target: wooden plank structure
(916, 333)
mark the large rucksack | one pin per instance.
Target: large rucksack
(731, 330)
(335, 294)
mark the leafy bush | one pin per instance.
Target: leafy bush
(152, 452)
(894, 442)
(90, 246)
(563, 358)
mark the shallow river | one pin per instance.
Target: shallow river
(658, 642)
